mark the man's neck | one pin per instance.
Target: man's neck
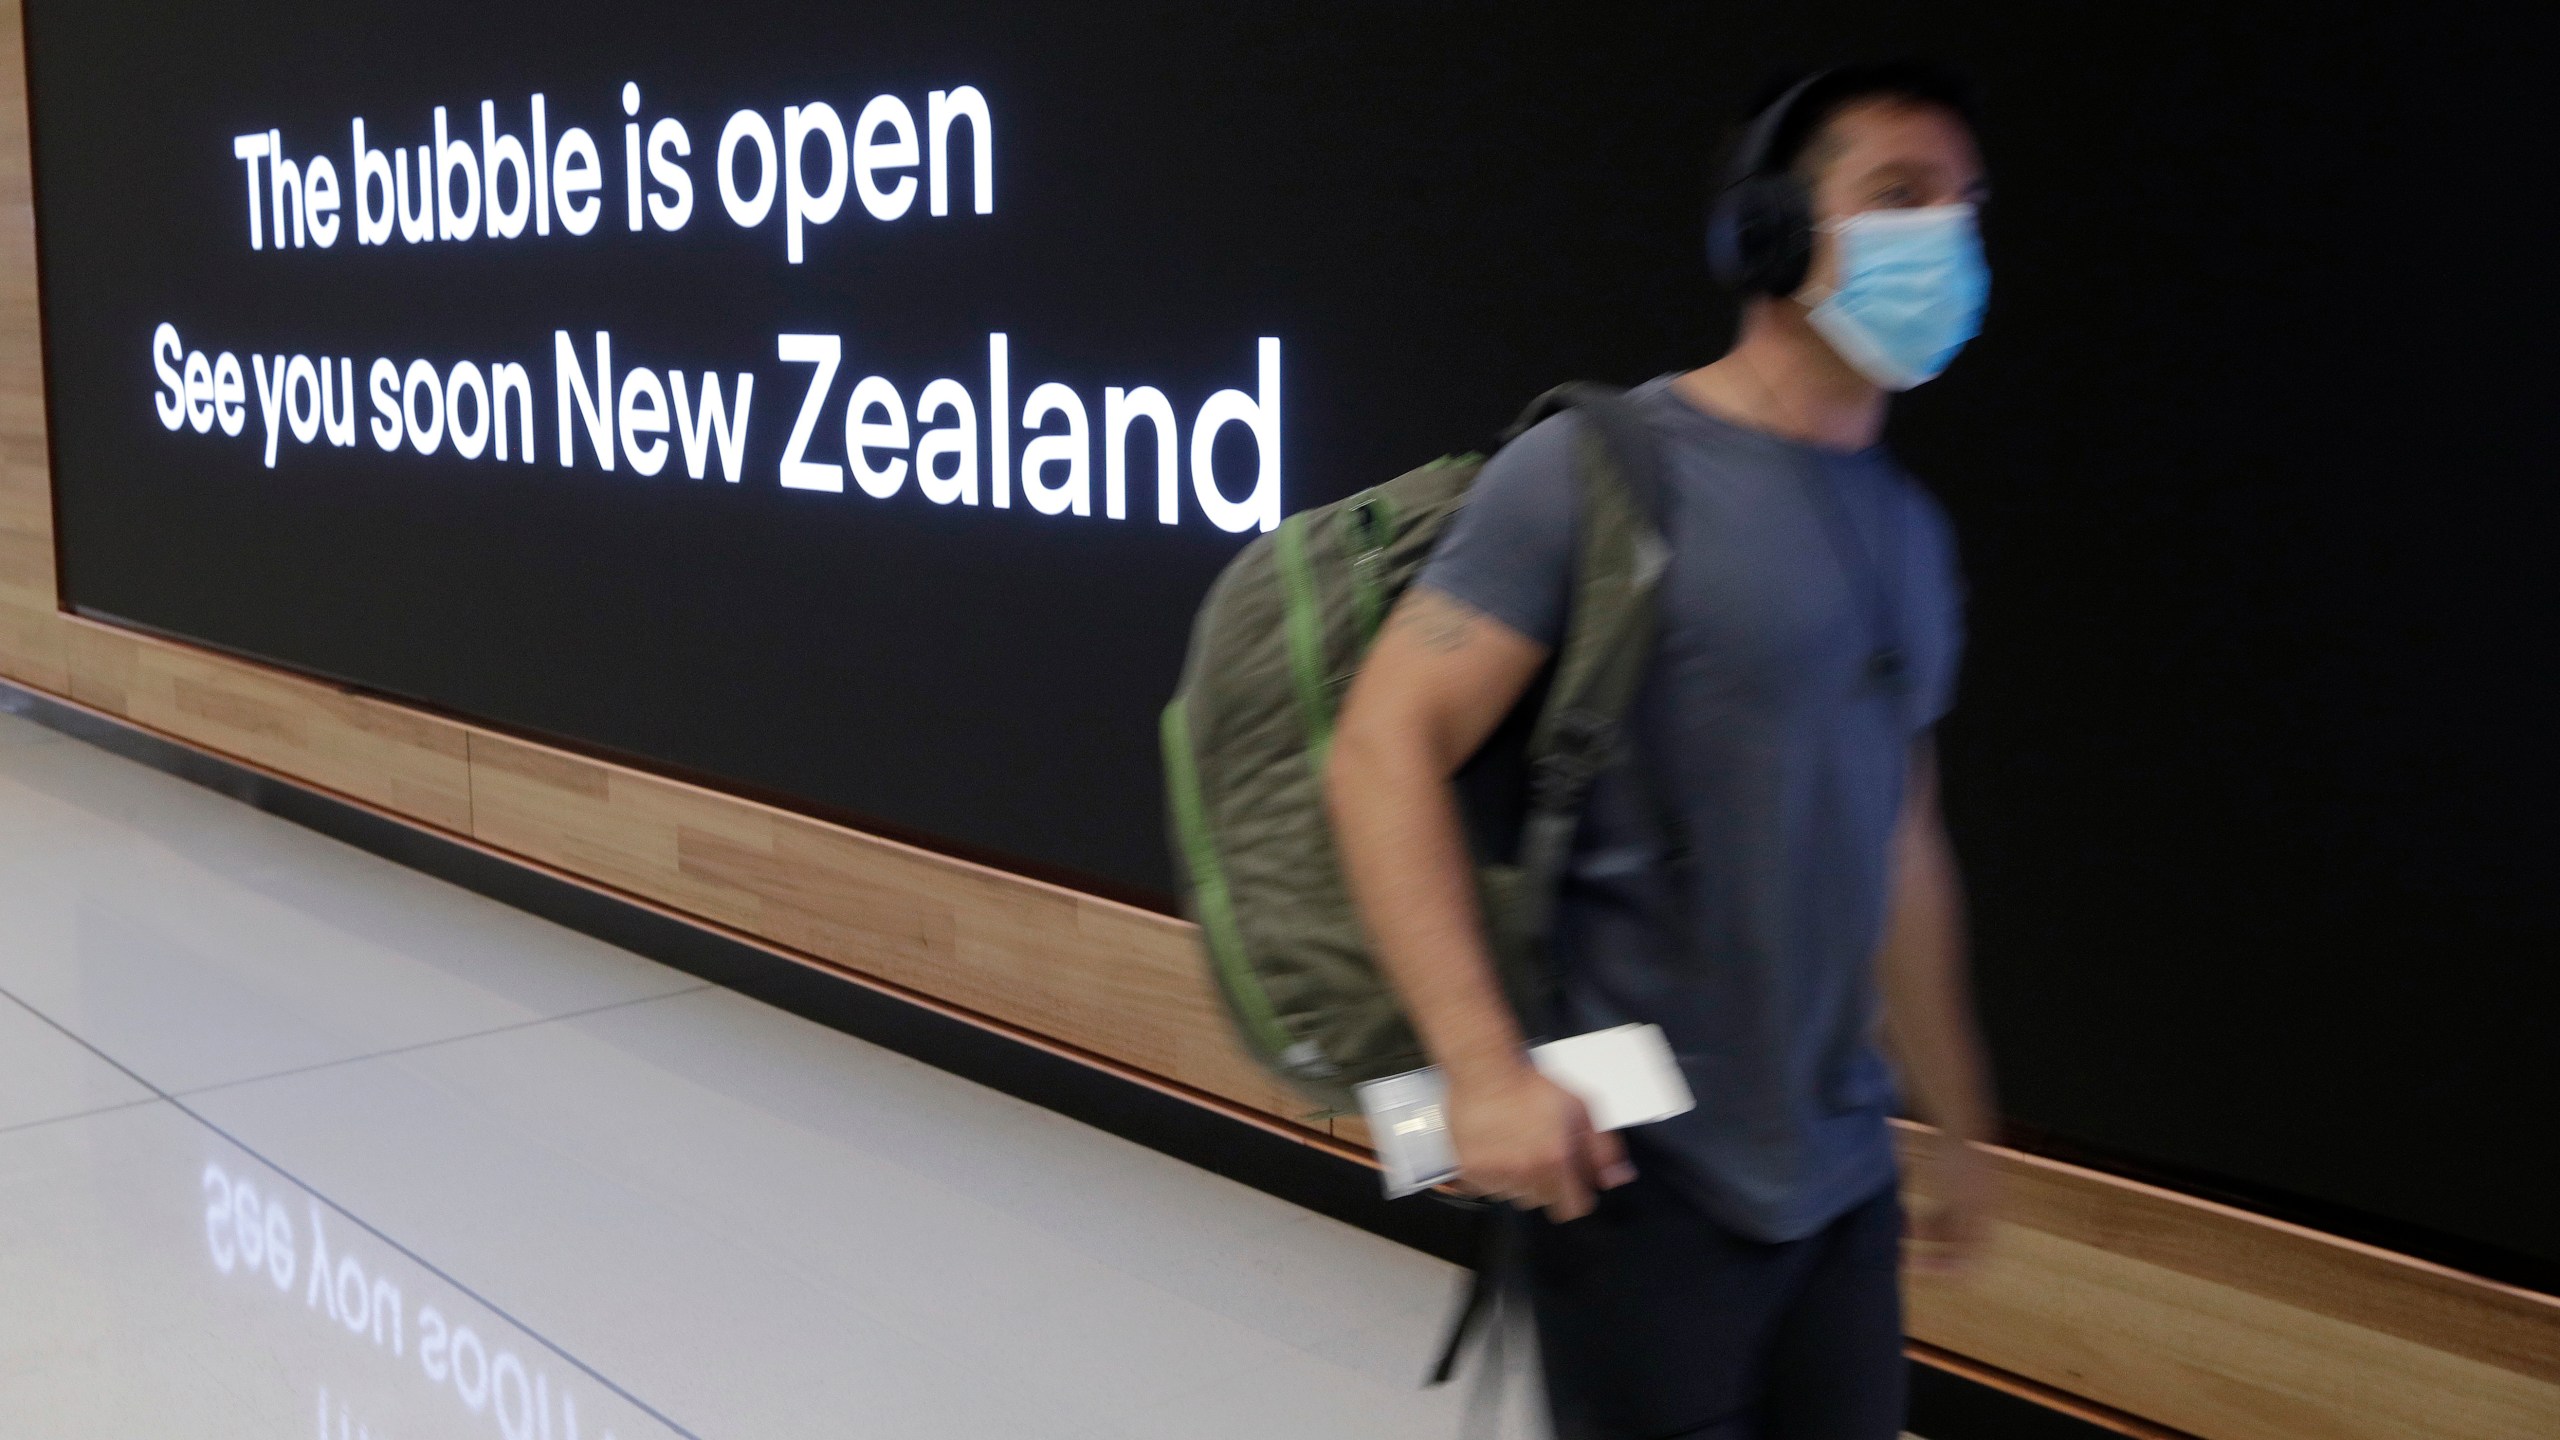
(1783, 379)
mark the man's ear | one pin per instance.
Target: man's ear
(1820, 274)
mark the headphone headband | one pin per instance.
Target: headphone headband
(1752, 156)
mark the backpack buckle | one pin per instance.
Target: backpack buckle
(1368, 525)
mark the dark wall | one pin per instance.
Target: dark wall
(2252, 468)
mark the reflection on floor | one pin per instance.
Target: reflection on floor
(294, 1142)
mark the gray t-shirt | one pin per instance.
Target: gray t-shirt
(1778, 731)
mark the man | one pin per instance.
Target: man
(1732, 1271)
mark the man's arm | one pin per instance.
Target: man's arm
(1440, 679)
(1929, 1023)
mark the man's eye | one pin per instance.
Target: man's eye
(1896, 195)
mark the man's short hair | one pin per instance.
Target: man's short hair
(1908, 81)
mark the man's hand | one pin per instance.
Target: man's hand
(1524, 1139)
(1946, 1233)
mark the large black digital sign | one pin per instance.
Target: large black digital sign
(850, 403)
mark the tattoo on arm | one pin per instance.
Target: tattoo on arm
(1444, 625)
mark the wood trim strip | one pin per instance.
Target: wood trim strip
(406, 761)
(31, 645)
(2077, 1293)
(1093, 973)
(2044, 1395)
(2418, 1300)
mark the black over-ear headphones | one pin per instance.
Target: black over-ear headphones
(1760, 229)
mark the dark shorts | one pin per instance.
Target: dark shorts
(1654, 1322)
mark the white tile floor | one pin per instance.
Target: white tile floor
(293, 1140)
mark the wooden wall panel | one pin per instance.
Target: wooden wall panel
(384, 754)
(2190, 1314)
(1098, 975)
(2215, 1359)
(2237, 1327)
(31, 644)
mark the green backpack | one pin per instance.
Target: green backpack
(1245, 739)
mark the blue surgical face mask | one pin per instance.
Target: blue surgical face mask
(1912, 288)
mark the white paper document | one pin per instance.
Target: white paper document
(1624, 1076)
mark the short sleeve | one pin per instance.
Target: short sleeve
(1509, 553)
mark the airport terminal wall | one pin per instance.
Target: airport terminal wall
(765, 465)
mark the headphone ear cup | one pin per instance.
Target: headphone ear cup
(1727, 249)
(1760, 235)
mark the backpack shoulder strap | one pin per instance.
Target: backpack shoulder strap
(1605, 408)
(1619, 558)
